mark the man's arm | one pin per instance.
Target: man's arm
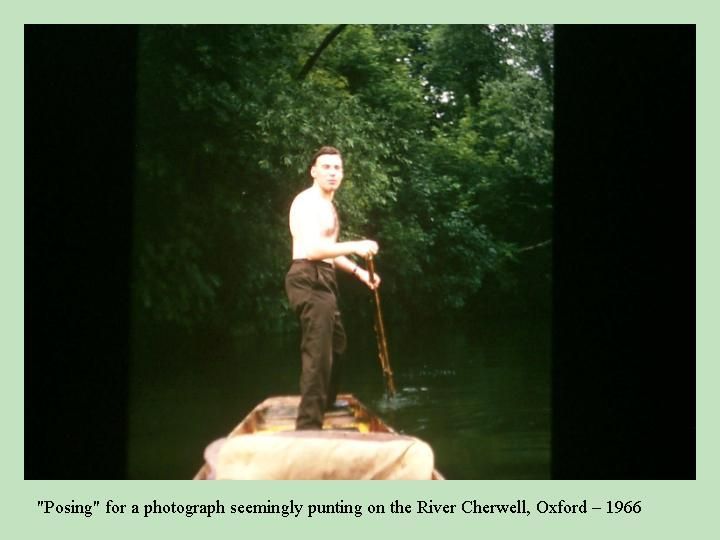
(329, 249)
(308, 233)
(363, 275)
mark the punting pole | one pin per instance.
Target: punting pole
(380, 333)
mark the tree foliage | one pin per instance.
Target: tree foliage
(446, 134)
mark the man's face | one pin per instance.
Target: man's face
(328, 172)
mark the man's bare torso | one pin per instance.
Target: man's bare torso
(313, 220)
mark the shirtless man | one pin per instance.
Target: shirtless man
(311, 286)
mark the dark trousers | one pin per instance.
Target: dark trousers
(313, 294)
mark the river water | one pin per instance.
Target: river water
(481, 399)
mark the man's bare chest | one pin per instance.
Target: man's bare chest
(328, 218)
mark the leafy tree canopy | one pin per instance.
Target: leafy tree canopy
(446, 133)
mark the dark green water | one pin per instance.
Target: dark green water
(481, 399)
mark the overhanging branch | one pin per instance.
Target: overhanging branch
(535, 246)
(313, 59)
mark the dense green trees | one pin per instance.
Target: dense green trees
(446, 132)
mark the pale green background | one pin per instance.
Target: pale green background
(670, 509)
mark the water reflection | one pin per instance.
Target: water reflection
(481, 401)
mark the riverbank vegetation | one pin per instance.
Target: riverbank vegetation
(447, 137)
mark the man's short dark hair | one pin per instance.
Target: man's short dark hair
(321, 152)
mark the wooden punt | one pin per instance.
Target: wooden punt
(277, 414)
